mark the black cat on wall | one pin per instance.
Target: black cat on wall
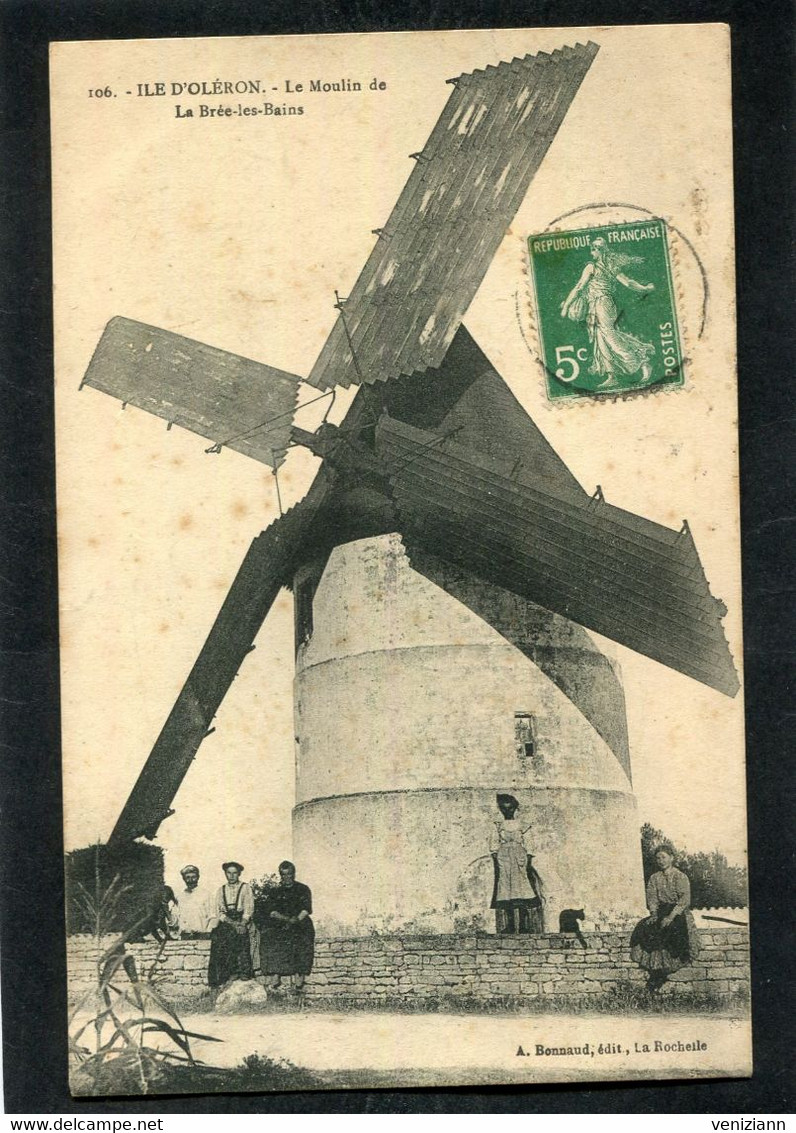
(568, 922)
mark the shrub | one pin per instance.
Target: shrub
(119, 884)
(123, 1036)
(714, 882)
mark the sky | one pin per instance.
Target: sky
(236, 232)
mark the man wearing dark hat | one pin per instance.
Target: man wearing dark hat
(194, 903)
(230, 940)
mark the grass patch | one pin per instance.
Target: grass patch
(256, 1074)
(627, 998)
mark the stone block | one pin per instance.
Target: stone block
(573, 987)
(510, 943)
(172, 963)
(684, 975)
(735, 973)
(439, 943)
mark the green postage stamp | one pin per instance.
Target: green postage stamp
(605, 310)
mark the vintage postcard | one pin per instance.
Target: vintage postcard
(399, 560)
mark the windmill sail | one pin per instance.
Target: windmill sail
(483, 490)
(631, 580)
(230, 400)
(451, 217)
(264, 570)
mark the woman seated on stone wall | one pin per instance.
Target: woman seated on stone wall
(667, 939)
(287, 935)
(517, 896)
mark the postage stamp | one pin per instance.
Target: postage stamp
(605, 310)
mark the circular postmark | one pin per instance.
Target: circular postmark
(613, 291)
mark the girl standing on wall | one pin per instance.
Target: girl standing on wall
(517, 896)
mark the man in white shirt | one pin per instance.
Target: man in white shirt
(194, 909)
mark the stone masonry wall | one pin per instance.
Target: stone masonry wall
(180, 969)
(478, 967)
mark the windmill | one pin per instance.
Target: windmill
(436, 493)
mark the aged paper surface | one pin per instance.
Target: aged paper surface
(229, 191)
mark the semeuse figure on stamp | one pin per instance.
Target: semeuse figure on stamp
(667, 939)
(517, 897)
(592, 299)
(287, 934)
(230, 939)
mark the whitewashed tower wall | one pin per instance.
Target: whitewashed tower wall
(410, 712)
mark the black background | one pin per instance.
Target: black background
(32, 928)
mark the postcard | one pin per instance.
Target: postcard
(399, 560)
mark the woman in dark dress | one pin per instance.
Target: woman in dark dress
(287, 935)
(230, 939)
(667, 939)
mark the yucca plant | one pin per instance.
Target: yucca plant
(115, 1049)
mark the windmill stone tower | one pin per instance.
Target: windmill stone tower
(412, 712)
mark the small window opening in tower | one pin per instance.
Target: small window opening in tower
(303, 598)
(524, 736)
